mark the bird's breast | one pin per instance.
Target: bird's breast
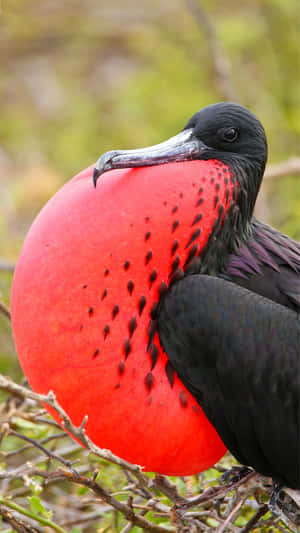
(87, 285)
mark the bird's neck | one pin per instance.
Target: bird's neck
(236, 227)
(224, 241)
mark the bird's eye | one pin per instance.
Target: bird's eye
(230, 134)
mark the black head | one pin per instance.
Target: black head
(231, 128)
(233, 135)
(225, 131)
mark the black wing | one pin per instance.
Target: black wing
(238, 355)
(268, 263)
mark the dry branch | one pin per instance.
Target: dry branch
(289, 167)
(219, 61)
(4, 310)
(161, 496)
(7, 266)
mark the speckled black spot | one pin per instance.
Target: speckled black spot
(226, 181)
(193, 266)
(126, 265)
(152, 277)
(220, 174)
(227, 196)
(196, 409)
(170, 373)
(183, 399)
(96, 352)
(181, 195)
(118, 386)
(142, 303)
(197, 219)
(221, 210)
(151, 332)
(153, 354)
(106, 272)
(91, 311)
(216, 200)
(200, 201)
(106, 331)
(162, 289)
(175, 209)
(178, 275)
(147, 235)
(200, 190)
(149, 380)
(174, 265)
(212, 180)
(81, 327)
(130, 286)
(193, 237)
(175, 225)
(192, 252)
(224, 169)
(174, 247)
(104, 294)
(127, 348)
(147, 219)
(132, 325)
(218, 186)
(121, 368)
(153, 311)
(115, 311)
(84, 286)
(148, 257)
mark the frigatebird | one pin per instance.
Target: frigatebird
(229, 320)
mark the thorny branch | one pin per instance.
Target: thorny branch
(156, 504)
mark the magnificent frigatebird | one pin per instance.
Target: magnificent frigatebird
(229, 322)
(168, 257)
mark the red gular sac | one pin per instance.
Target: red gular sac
(85, 300)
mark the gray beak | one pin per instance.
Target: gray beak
(183, 147)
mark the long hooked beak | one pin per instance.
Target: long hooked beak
(182, 147)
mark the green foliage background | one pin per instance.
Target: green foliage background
(79, 78)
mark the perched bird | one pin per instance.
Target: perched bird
(158, 306)
(230, 323)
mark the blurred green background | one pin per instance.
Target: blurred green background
(79, 78)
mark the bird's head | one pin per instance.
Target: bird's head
(231, 133)
(227, 132)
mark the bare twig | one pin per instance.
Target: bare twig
(219, 61)
(16, 523)
(7, 266)
(77, 432)
(38, 518)
(286, 168)
(168, 488)
(35, 443)
(261, 511)
(216, 492)
(230, 517)
(125, 509)
(4, 309)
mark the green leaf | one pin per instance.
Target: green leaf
(37, 507)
